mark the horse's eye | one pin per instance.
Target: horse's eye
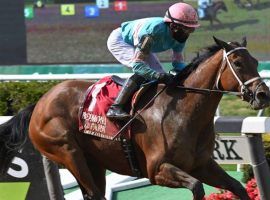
(237, 63)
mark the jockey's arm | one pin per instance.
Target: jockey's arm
(178, 61)
(142, 52)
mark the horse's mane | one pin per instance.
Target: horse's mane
(201, 56)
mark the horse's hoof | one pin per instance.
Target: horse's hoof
(198, 191)
(87, 197)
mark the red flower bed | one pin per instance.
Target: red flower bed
(251, 188)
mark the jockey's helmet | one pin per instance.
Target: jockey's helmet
(182, 13)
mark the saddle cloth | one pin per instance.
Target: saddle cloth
(98, 98)
(92, 115)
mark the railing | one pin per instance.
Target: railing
(265, 74)
(53, 77)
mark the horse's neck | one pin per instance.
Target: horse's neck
(204, 77)
(217, 6)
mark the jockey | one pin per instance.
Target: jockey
(135, 43)
(202, 5)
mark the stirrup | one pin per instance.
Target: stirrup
(117, 114)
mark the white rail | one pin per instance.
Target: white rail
(265, 74)
(47, 77)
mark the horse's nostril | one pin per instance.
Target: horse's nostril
(263, 96)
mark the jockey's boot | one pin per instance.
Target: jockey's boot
(116, 111)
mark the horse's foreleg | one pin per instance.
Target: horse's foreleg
(171, 176)
(218, 21)
(73, 158)
(98, 173)
(211, 24)
(76, 163)
(212, 174)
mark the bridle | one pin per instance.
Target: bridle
(244, 92)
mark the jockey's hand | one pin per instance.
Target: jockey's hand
(178, 66)
(165, 78)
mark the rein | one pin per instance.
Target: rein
(209, 90)
(245, 92)
(138, 113)
(162, 90)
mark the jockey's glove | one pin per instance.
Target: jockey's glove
(178, 66)
(165, 78)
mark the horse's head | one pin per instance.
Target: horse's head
(238, 72)
(221, 6)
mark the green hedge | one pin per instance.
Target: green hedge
(267, 112)
(17, 95)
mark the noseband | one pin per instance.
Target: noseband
(245, 92)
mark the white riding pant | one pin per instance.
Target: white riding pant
(124, 52)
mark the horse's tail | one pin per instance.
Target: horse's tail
(13, 135)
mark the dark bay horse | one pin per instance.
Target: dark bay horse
(173, 140)
(212, 11)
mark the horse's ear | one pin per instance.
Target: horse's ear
(222, 44)
(244, 41)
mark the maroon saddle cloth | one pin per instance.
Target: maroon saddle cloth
(92, 115)
(98, 98)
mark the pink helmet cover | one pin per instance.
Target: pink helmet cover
(182, 13)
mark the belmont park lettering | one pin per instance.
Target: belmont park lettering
(94, 123)
(94, 118)
(229, 153)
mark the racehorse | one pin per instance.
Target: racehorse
(212, 11)
(173, 137)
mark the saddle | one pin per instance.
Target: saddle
(118, 80)
(98, 98)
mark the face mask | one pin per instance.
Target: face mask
(180, 32)
(179, 35)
